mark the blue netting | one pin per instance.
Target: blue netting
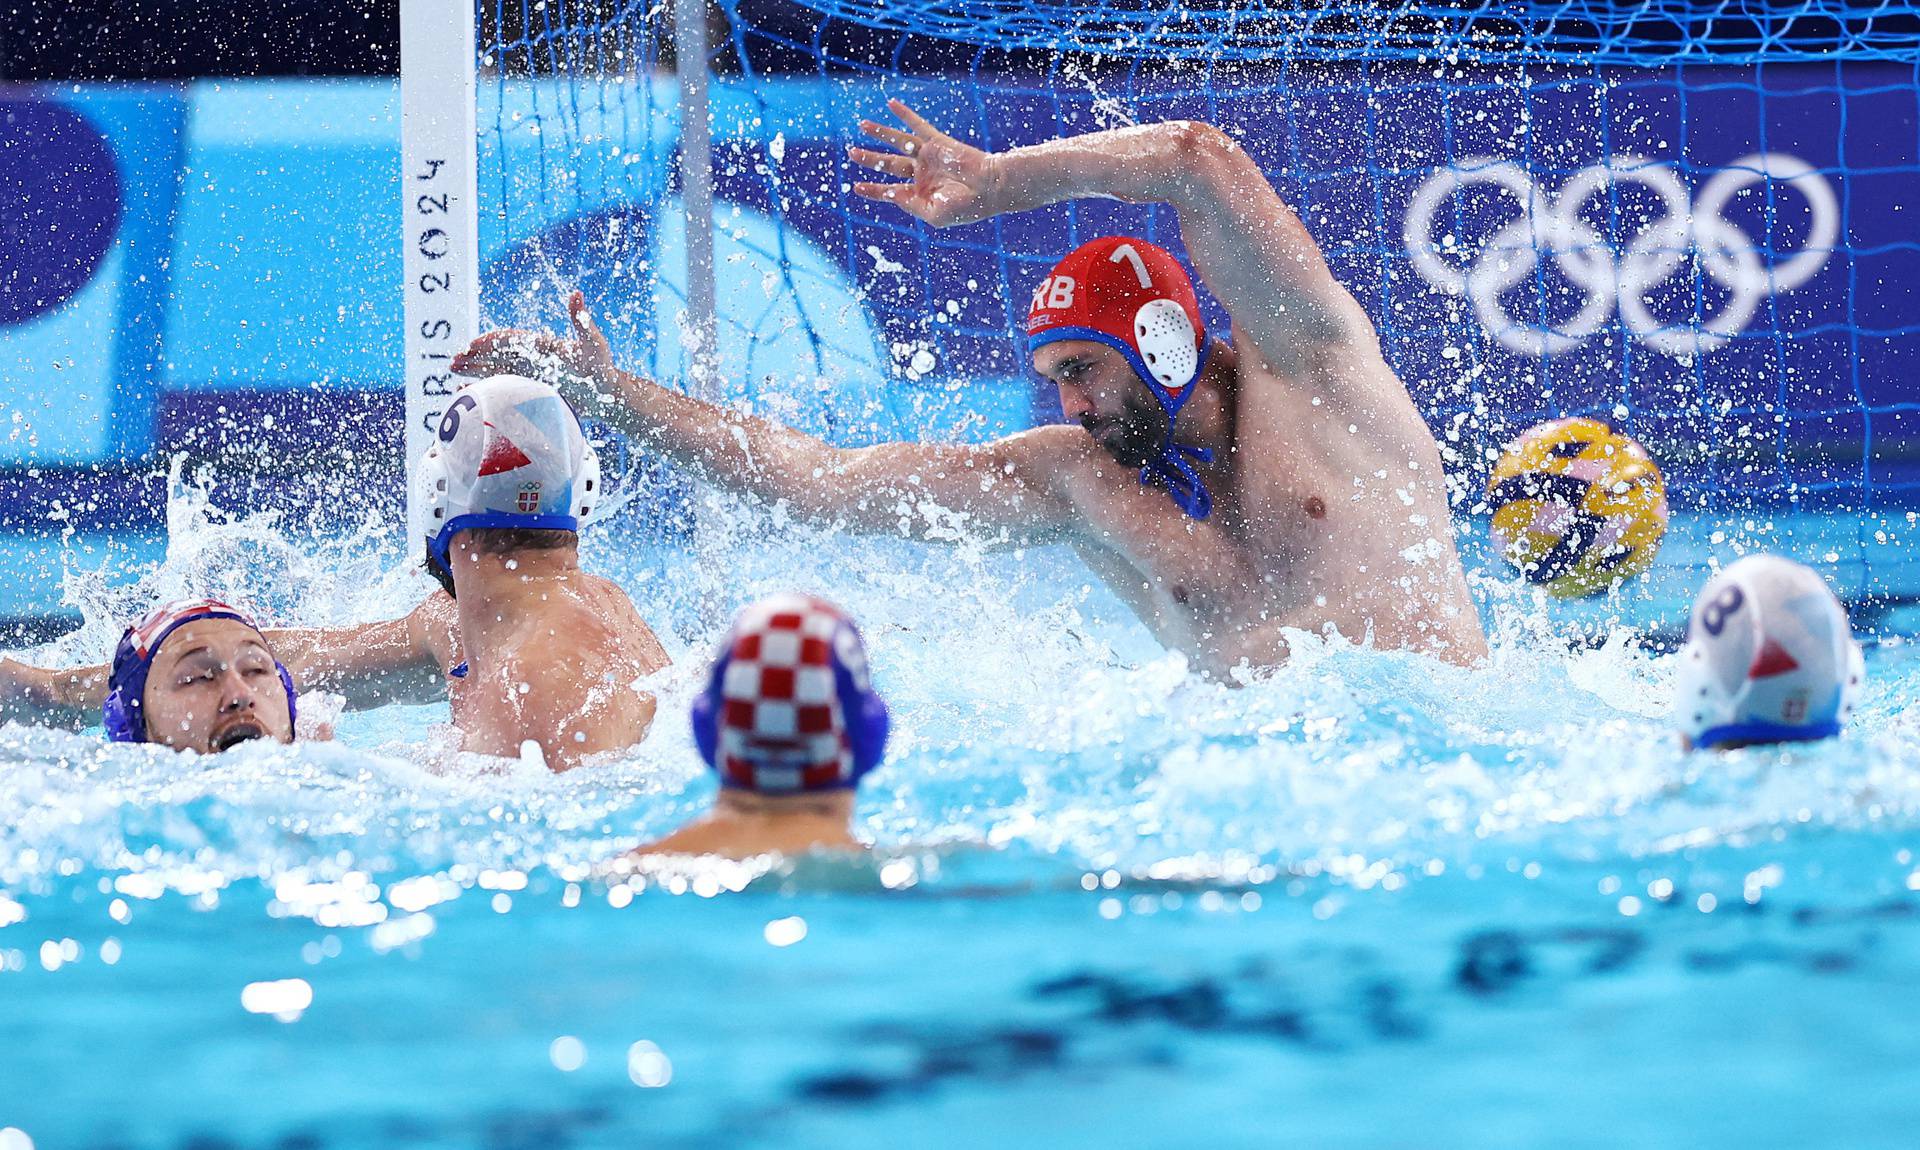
(1697, 224)
(1581, 31)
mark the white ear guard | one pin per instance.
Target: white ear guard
(1168, 343)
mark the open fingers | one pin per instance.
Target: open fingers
(899, 139)
(480, 354)
(480, 363)
(887, 193)
(888, 162)
(913, 119)
(499, 352)
(484, 363)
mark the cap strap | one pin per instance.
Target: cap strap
(1180, 479)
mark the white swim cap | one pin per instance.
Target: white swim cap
(1769, 657)
(510, 453)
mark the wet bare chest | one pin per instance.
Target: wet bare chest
(1211, 573)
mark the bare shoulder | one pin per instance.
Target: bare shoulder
(632, 630)
(703, 837)
(1349, 383)
(1080, 471)
(568, 697)
(1049, 442)
(434, 626)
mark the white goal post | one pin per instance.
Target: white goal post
(439, 87)
(439, 212)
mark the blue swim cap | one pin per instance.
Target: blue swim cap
(789, 706)
(121, 713)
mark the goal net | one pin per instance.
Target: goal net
(1696, 224)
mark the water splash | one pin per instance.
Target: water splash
(1032, 711)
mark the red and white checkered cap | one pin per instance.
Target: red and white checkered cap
(155, 624)
(781, 728)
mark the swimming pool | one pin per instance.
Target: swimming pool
(1367, 898)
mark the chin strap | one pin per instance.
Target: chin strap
(1180, 479)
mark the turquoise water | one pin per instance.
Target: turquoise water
(1363, 899)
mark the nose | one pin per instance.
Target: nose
(1075, 403)
(236, 694)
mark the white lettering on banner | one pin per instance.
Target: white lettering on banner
(439, 226)
(1684, 231)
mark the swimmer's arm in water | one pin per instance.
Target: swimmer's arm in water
(1249, 246)
(67, 697)
(373, 664)
(1012, 487)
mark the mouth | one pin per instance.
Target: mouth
(236, 734)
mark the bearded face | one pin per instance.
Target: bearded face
(1135, 437)
(1100, 391)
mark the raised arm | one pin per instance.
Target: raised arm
(1008, 492)
(373, 664)
(1249, 247)
(69, 697)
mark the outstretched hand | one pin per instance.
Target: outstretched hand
(948, 182)
(581, 366)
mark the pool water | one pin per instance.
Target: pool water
(1363, 899)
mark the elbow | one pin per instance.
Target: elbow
(1210, 158)
(1201, 147)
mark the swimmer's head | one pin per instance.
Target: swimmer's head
(1115, 314)
(789, 707)
(509, 461)
(198, 676)
(1769, 658)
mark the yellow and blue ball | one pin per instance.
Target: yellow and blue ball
(1577, 507)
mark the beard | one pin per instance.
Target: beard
(1137, 436)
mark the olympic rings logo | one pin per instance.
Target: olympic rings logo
(1622, 276)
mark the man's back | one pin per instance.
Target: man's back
(553, 658)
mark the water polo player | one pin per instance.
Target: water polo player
(1227, 491)
(1769, 658)
(526, 646)
(196, 675)
(791, 723)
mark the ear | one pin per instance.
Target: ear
(868, 734)
(705, 713)
(293, 695)
(119, 724)
(867, 722)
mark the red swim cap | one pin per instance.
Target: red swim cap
(1132, 296)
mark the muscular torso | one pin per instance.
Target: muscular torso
(558, 667)
(1324, 513)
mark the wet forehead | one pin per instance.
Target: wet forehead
(1048, 357)
(219, 639)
